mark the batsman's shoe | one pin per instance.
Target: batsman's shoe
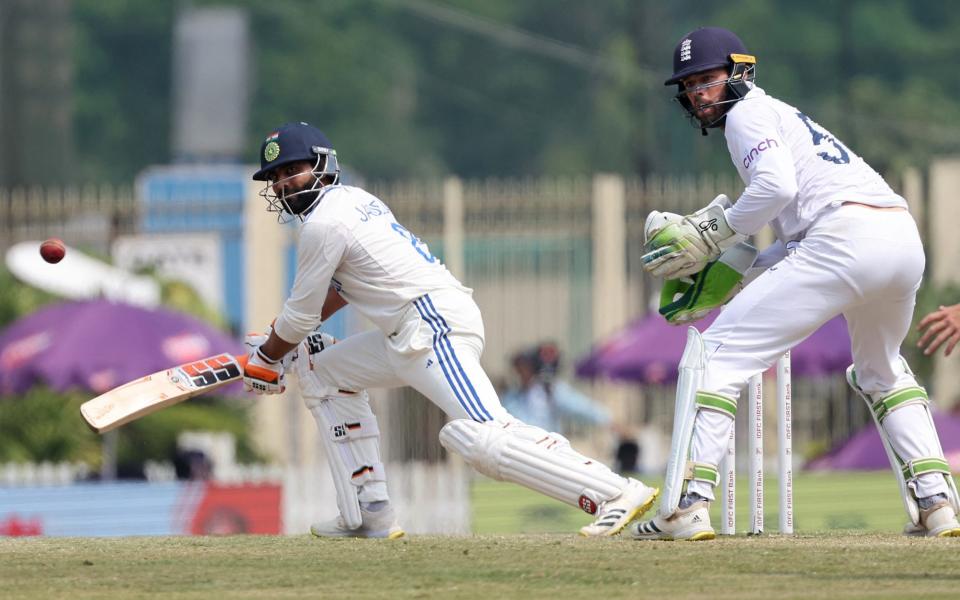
(691, 523)
(937, 521)
(617, 513)
(376, 524)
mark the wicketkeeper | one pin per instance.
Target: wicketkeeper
(854, 250)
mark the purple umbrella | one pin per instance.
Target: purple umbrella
(649, 349)
(97, 345)
(864, 450)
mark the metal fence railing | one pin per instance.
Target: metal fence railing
(527, 251)
(89, 217)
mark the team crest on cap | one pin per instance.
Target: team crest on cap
(685, 53)
(271, 151)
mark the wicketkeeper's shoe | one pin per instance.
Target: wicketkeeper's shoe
(937, 521)
(376, 524)
(615, 514)
(691, 523)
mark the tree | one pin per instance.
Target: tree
(414, 88)
(122, 95)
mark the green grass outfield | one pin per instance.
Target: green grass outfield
(491, 567)
(852, 501)
(847, 546)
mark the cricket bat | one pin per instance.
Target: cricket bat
(149, 394)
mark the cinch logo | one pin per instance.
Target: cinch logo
(754, 153)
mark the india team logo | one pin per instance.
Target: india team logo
(271, 151)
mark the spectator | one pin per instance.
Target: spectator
(540, 399)
(192, 465)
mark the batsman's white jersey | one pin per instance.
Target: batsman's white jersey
(353, 241)
(855, 250)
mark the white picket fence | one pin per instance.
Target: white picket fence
(430, 498)
(42, 474)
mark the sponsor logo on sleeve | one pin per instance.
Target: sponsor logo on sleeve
(753, 155)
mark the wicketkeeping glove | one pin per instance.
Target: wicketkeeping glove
(690, 299)
(683, 247)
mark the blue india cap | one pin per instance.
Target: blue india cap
(291, 142)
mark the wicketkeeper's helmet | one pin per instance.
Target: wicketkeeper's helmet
(710, 48)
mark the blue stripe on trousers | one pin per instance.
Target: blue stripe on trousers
(446, 340)
(441, 353)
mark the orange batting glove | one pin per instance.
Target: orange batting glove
(263, 375)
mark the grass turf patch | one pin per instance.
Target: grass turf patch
(485, 566)
(848, 546)
(853, 501)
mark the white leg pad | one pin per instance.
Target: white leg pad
(351, 439)
(692, 364)
(532, 457)
(908, 468)
(349, 431)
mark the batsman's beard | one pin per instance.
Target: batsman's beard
(301, 201)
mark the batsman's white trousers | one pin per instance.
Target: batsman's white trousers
(435, 350)
(864, 263)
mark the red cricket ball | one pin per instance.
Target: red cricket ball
(53, 250)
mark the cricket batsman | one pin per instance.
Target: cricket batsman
(846, 244)
(428, 335)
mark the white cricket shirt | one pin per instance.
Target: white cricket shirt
(793, 168)
(352, 241)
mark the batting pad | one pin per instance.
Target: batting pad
(351, 439)
(532, 457)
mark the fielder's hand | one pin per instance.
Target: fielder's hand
(682, 248)
(939, 327)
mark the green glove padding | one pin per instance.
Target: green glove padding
(690, 299)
